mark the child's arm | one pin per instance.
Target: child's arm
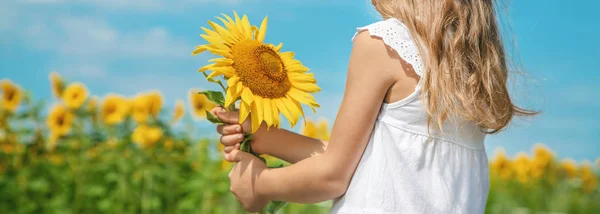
(267, 141)
(326, 176)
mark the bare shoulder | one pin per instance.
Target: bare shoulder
(373, 53)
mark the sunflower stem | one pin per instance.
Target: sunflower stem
(218, 82)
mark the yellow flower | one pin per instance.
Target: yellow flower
(569, 167)
(60, 121)
(146, 136)
(57, 84)
(140, 108)
(179, 110)
(146, 105)
(11, 95)
(542, 157)
(156, 103)
(309, 129)
(501, 165)
(114, 109)
(200, 104)
(268, 81)
(75, 95)
(323, 130)
(588, 177)
(522, 167)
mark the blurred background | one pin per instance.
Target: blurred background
(79, 77)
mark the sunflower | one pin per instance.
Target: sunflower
(522, 167)
(542, 157)
(146, 105)
(75, 95)
(323, 130)
(179, 110)
(11, 95)
(501, 165)
(309, 129)
(146, 136)
(569, 167)
(267, 80)
(114, 109)
(140, 109)
(60, 121)
(57, 84)
(588, 177)
(200, 104)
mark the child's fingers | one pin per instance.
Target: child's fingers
(228, 149)
(230, 140)
(216, 109)
(237, 156)
(229, 129)
(228, 117)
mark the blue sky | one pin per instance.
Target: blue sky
(128, 46)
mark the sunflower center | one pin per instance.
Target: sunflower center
(260, 69)
(60, 121)
(199, 105)
(10, 94)
(110, 109)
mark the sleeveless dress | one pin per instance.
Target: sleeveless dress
(407, 168)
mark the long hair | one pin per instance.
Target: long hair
(466, 67)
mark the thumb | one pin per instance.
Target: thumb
(237, 156)
(228, 117)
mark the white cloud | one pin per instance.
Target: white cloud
(87, 37)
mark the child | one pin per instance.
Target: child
(424, 86)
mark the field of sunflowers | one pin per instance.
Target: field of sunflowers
(119, 154)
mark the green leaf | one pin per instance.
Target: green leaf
(212, 118)
(215, 97)
(274, 206)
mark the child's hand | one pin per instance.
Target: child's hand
(242, 180)
(232, 133)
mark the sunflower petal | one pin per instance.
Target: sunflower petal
(302, 77)
(220, 52)
(276, 120)
(262, 32)
(221, 62)
(254, 117)
(295, 111)
(268, 112)
(278, 48)
(233, 81)
(247, 95)
(258, 113)
(216, 42)
(199, 49)
(227, 36)
(301, 96)
(284, 110)
(206, 68)
(307, 87)
(247, 27)
(244, 112)
(230, 97)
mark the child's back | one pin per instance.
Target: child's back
(409, 168)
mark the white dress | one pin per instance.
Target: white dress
(405, 169)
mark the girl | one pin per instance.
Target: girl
(423, 88)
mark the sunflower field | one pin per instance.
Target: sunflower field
(120, 154)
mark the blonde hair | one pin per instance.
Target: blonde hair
(466, 67)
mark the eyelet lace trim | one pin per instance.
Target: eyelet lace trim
(395, 34)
